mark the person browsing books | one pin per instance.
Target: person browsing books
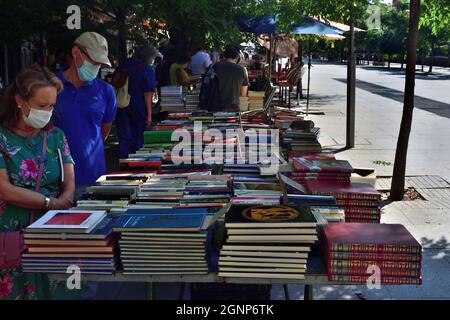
(200, 62)
(132, 121)
(233, 79)
(178, 73)
(36, 168)
(86, 108)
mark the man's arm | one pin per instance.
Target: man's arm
(106, 130)
(148, 96)
(244, 91)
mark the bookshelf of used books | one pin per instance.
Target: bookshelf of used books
(261, 216)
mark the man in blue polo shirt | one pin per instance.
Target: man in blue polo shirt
(86, 108)
(132, 120)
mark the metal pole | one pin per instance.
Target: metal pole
(270, 58)
(309, 74)
(351, 86)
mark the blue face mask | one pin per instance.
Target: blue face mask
(88, 72)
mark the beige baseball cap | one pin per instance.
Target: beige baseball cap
(96, 46)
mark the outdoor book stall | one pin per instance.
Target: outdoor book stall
(263, 215)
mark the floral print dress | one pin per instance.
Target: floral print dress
(21, 157)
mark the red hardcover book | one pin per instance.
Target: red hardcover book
(362, 216)
(344, 191)
(352, 220)
(339, 255)
(140, 163)
(387, 268)
(335, 166)
(362, 210)
(358, 203)
(311, 155)
(372, 238)
(384, 280)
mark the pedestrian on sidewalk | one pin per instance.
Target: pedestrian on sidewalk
(133, 120)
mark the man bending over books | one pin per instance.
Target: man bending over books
(36, 175)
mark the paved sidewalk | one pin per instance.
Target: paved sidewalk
(378, 114)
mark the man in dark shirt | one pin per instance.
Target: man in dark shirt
(233, 79)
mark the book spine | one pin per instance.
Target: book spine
(362, 210)
(384, 272)
(326, 179)
(364, 264)
(352, 220)
(354, 196)
(358, 216)
(384, 279)
(374, 248)
(358, 203)
(375, 257)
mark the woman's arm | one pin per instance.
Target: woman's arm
(182, 80)
(24, 198)
(68, 185)
(18, 196)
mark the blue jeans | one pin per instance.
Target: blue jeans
(130, 131)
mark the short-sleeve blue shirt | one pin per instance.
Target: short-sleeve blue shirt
(80, 113)
(142, 80)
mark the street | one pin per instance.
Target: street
(378, 113)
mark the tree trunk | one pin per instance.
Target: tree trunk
(389, 61)
(403, 60)
(430, 70)
(422, 58)
(398, 176)
(121, 20)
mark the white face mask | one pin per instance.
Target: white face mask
(38, 119)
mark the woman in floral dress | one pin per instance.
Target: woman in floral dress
(25, 112)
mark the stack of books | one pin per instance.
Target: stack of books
(358, 253)
(61, 239)
(283, 119)
(267, 242)
(172, 99)
(302, 140)
(192, 100)
(360, 201)
(209, 191)
(321, 171)
(256, 191)
(256, 100)
(166, 241)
